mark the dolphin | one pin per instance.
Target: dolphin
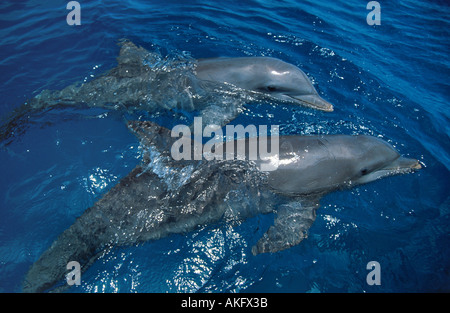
(163, 196)
(215, 88)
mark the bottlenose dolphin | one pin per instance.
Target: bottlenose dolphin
(216, 88)
(162, 196)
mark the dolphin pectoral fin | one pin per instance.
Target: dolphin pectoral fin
(219, 115)
(290, 227)
(216, 115)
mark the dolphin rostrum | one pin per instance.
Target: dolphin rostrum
(162, 196)
(143, 80)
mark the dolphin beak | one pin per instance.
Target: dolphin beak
(314, 101)
(403, 165)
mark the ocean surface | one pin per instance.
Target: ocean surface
(389, 80)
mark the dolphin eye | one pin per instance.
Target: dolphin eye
(364, 171)
(271, 88)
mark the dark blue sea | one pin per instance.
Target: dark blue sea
(389, 80)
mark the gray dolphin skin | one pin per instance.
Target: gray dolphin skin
(162, 197)
(270, 76)
(145, 81)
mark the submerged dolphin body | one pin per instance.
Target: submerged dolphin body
(162, 196)
(145, 81)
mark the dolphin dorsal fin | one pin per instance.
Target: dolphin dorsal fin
(150, 133)
(131, 60)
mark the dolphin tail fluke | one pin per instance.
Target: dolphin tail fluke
(17, 122)
(28, 113)
(100, 92)
(290, 227)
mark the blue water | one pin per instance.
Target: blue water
(390, 81)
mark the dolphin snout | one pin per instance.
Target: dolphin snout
(314, 101)
(403, 163)
(416, 166)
